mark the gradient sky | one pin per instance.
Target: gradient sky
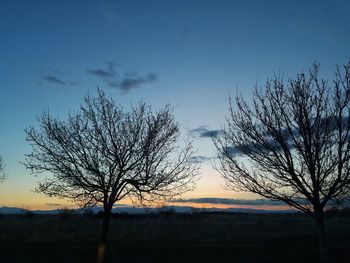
(192, 54)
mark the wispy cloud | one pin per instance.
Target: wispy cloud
(128, 82)
(200, 159)
(204, 132)
(247, 147)
(100, 73)
(53, 79)
(105, 73)
(53, 76)
(110, 11)
(73, 83)
(56, 205)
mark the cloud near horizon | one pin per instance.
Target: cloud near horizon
(229, 201)
(54, 204)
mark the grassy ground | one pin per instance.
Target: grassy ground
(172, 238)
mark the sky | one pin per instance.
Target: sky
(191, 54)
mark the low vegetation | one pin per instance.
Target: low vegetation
(171, 237)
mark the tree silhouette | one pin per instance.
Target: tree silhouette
(103, 154)
(2, 170)
(291, 144)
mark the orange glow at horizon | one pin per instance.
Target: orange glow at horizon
(185, 204)
(226, 206)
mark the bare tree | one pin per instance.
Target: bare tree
(291, 143)
(103, 154)
(2, 170)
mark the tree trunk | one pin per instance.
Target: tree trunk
(322, 240)
(101, 255)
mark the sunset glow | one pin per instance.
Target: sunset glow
(190, 54)
(226, 206)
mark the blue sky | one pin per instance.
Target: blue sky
(192, 54)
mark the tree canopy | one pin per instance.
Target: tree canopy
(292, 142)
(103, 154)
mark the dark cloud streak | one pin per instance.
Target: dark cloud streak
(53, 79)
(109, 72)
(54, 76)
(129, 83)
(100, 73)
(200, 159)
(228, 201)
(204, 132)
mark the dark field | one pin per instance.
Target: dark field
(169, 237)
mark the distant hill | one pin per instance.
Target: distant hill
(12, 210)
(142, 210)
